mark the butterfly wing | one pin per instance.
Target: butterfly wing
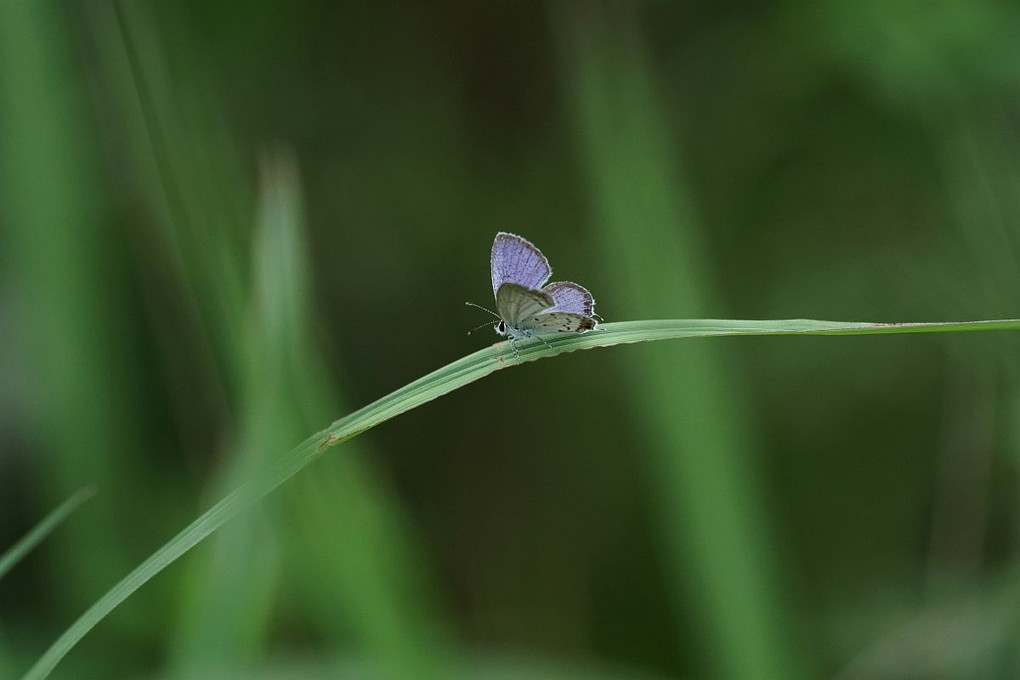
(519, 271)
(517, 305)
(572, 298)
(559, 322)
(516, 260)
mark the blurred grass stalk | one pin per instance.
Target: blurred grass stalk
(232, 588)
(698, 439)
(342, 540)
(978, 151)
(17, 552)
(345, 549)
(61, 254)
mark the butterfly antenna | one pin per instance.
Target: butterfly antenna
(484, 309)
(484, 325)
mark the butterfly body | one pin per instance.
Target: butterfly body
(527, 306)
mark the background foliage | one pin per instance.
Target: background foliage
(223, 229)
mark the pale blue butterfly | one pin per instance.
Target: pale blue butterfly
(525, 306)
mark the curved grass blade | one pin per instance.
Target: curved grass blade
(436, 384)
(16, 552)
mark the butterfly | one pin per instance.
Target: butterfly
(525, 306)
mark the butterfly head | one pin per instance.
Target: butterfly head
(500, 327)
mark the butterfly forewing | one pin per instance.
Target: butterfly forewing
(516, 260)
(517, 304)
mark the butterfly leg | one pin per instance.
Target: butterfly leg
(513, 346)
(540, 339)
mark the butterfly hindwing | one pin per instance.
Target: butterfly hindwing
(570, 297)
(516, 260)
(559, 322)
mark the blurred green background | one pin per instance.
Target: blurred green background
(223, 226)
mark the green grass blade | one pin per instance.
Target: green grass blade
(498, 356)
(16, 552)
(436, 384)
